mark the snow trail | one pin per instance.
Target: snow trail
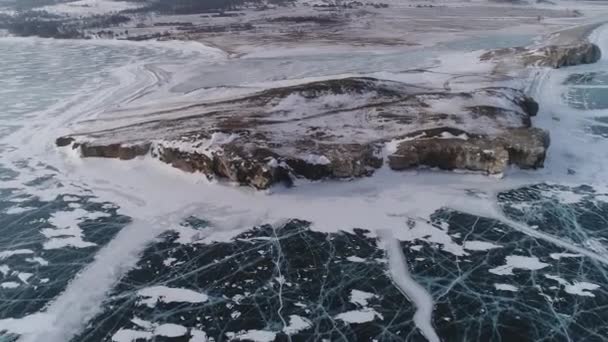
(398, 270)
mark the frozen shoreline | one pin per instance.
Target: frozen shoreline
(147, 190)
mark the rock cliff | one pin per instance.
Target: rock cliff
(554, 56)
(340, 128)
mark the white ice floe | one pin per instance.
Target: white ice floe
(575, 288)
(198, 336)
(359, 316)
(68, 198)
(506, 287)
(61, 242)
(10, 285)
(5, 269)
(513, 262)
(66, 231)
(24, 277)
(129, 335)
(142, 323)
(557, 256)
(18, 210)
(169, 261)
(256, 336)
(150, 331)
(6, 254)
(360, 297)
(90, 7)
(150, 296)
(422, 231)
(480, 245)
(296, 324)
(170, 330)
(353, 258)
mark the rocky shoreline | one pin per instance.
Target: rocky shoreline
(335, 129)
(346, 128)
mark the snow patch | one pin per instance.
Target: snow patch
(205, 147)
(506, 287)
(152, 295)
(10, 285)
(90, 7)
(575, 288)
(359, 316)
(353, 258)
(67, 232)
(129, 335)
(198, 336)
(256, 335)
(296, 324)
(480, 246)
(316, 159)
(360, 297)
(6, 254)
(423, 318)
(518, 262)
(557, 256)
(18, 210)
(170, 330)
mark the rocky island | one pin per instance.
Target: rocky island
(387, 170)
(339, 127)
(344, 128)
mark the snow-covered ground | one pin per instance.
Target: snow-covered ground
(157, 197)
(90, 7)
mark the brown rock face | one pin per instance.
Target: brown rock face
(119, 151)
(332, 129)
(525, 148)
(231, 164)
(261, 168)
(554, 56)
(449, 154)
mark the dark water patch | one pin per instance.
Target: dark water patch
(264, 277)
(473, 297)
(575, 214)
(597, 130)
(260, 281)
(32, 275)
(587, 98)
(589, 78)
(601, 129)
(601, 119)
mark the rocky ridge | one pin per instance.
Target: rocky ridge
(340, 128)
(344, 128)
(554, 56)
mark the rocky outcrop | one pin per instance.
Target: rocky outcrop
(525, 148)
(341, 128)
(554, 56)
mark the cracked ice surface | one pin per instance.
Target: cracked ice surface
(33, 274)
(276, 281)
(487, 279)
